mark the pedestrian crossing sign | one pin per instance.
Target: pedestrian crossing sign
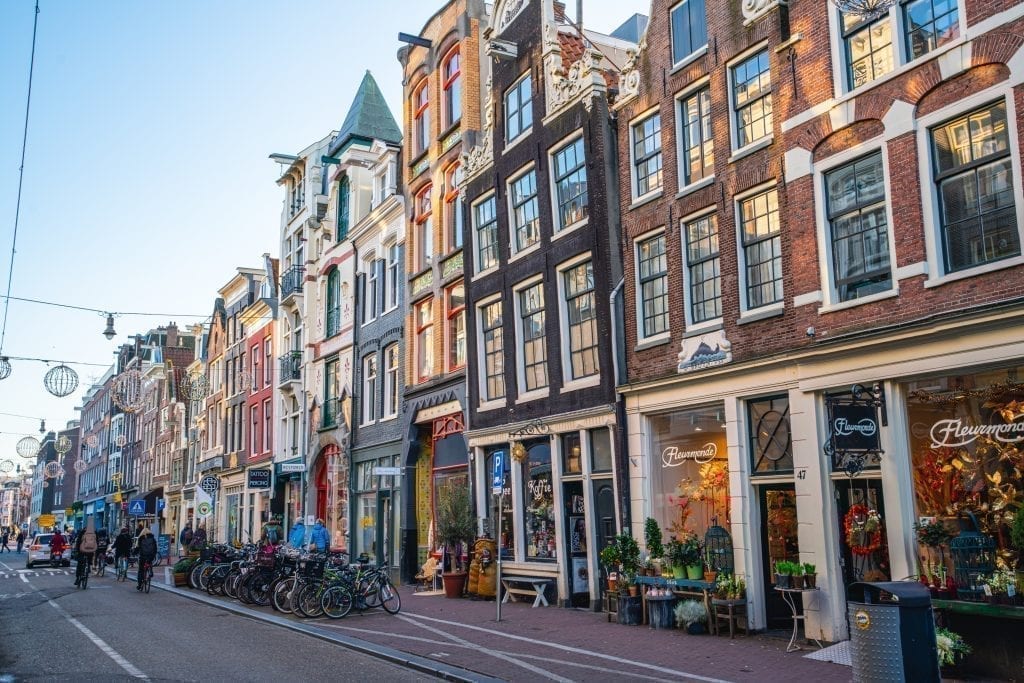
(136, 506)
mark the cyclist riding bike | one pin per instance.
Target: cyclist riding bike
(147, 555)
(122, 549)
(85, 547)
(102, 542)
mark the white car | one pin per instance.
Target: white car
(39, 551)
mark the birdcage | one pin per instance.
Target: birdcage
(718, 550)
(973, 560)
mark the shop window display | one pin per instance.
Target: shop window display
(967, 450)
(539, 503)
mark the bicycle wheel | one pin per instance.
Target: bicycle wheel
(204, 576)
(245, 589)
(231, 583)
(85, 580)
(336, 602)
(389, 598)
(371, 594)
(193, 576)
(282, 596)
(309, 601)
(259, 589)
(122, 569)
(148, 580)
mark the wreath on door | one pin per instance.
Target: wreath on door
(863, 530)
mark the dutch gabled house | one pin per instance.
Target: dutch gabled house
(542, 262)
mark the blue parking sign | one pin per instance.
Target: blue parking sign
(498, 480)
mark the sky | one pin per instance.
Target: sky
(146, 177)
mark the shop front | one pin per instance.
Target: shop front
(328, 493)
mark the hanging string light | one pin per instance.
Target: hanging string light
(28, 447)
(62, 445)
(61, 381)
(127, 391)
(80, 466)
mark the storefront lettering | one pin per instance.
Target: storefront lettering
(954, 432)
(865, 427)
(673, 457)
(539, 488)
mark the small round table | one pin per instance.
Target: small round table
(789, 597)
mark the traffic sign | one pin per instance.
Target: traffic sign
(136, 507)
(47, 520)
(498, 479)
(209, 484)
(161, 503)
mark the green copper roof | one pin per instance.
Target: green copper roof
(368, 118)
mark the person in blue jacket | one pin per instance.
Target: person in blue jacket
(298, 535)
(319, 539)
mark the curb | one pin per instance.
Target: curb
(404, 659)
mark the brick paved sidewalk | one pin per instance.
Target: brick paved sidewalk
(571, 644)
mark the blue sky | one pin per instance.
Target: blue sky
(146, 177)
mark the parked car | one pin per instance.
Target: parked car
(39, 551)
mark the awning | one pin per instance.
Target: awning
(152, 498)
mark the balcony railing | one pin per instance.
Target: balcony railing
(333, 322)
(291, 367)
(330, 413)
(291, 281)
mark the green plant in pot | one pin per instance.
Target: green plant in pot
(455, 526)
(784, 574)
(692, 558)
(691, 615)
(181, 569)
(674, 555)
(610, 557)
(810, 575)
(652, 539)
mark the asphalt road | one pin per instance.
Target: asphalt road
(50, 630)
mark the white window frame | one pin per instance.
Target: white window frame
(391, 276)
(831, 300)
(368, 404)
(766, 310)
(371, 283)
(931, 215)
(486, 402)
(681, 96)
(391, 386)
(505, 110)
(477, 270)
(553, 152)
(734, 133)
(634, 180)
(693, 328)
(513, 227)
(569, 383)
(522, 394)
(644, 339)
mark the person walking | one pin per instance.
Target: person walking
(147, 554)
(273, 532)
(298, 535)
(198, 538)
(185, 539)
(4, 538)
(21, 540)
(319, 538)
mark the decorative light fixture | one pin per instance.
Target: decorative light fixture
(127, 391)
(42, 426)
(92, 441)
(110, 333)
(61, 380)
(5, 367)
(518, 451)
(120, 441)
(80, 466)
(195, 386)
(867, 9)
(28, 447)
(52, 470)
(62, 445)
(6, 466)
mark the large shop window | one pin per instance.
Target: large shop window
(690, 475)
(966, 435)
(539, 503)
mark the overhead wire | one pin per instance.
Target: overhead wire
(21, 175)
(104, 311)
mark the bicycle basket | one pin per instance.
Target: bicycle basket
(205, 554)
(265, 560)
(312, 569)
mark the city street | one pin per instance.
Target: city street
(51, 631)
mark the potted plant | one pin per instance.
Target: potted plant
(730, 587)
(455, 526)
(652, 539)
(181, 569)
(783, 574)
(692, 616)
(610, 557)
(951, 647)
(629, 553)
(810, 575)
(692, 558)
(675, 555)
(710, 573)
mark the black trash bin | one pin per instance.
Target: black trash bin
(892, 633)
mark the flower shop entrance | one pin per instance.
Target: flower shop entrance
(861, 516)
(778, 543)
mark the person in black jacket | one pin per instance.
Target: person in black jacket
(147, 554)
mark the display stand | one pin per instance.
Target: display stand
(789, 597)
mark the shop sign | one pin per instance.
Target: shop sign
(855, 427)
(292, 467)
(674, 457)
(387, 471)
(954, 433)
(706, 351)
(258, 479)
(854, 419)
(209, 484)
(46, 520)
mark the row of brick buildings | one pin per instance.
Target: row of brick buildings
(641, 267)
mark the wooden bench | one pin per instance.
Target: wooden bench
(516, 585)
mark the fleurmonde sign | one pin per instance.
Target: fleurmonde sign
(674, 457)
(954, 433)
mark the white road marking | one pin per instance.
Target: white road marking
(96, 640)
(575, 650)
(7, 566)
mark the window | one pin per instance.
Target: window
(518, 108)
(267, 430)
(424, 230)
(391, 278)
(698, 147)
(534, 349)
(330, 410)
(421, 119)
(525, 216)
(762, 248)
(859, 228)
(370, 294)
(268, 366)
(647, 155)
(332, 316)
(581, 320)
(485, 222)
(571, 183)
(600, 450)
(343, 207)
(254, 431)
(391, 381)
(752, 99)
(453, 208)
(653, 286)
(689, 29)
(974, 175)
(456, 314)
(703, 268)
(927, 24)
(255, 374)
(424, 320)
(869, 51)
(369, 402)
(452, 86)
(494, 351)
(539, 511)
(771, 445)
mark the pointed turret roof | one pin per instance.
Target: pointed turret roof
(368, 119)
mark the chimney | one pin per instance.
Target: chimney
(172, 334)
(560, 12)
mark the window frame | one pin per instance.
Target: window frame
(344, 207)
(741, 243)
(735, 108)
(332, 295)
(491, 244)
(847, 35)
(485, 373)
(514, 227)
(421, 117)
(371, 289)
(634, 162)
(526, 393)
(642, 334)
(391, 276)
(680, 60)
(557, 202)
(424, 339)
(268, 425)
(454, 230)
(522, 106)
(692, 324)
(707, 156)
(451, 87)
(368, 402)
(565, 299)
(423, 208)
(391, 384)
(452, 315)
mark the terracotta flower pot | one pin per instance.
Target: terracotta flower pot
(454, 584)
